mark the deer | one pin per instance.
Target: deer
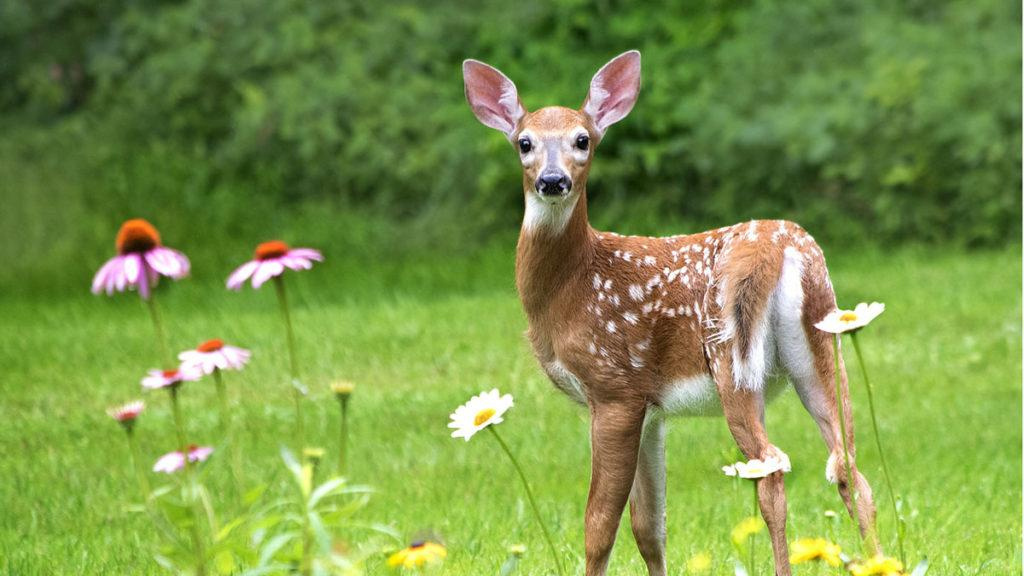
(639, 328)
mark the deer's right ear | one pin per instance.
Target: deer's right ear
(492, 96)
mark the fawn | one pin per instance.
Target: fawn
(636, 327)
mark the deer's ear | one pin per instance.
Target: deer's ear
(613, 90)
(492, 96)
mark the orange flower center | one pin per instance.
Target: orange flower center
(211, 345)
(272, 249)
(170, 373)
(848, 317)
(483, 416)
(136, 235)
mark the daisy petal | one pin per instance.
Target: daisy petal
(144, 281)
(307, 253)
(241, 274)
(132, 268)
(266, 270)
(103, 274)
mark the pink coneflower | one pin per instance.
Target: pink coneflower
(141, 260)
(270, 260)
(169, 378)
(174, 461)
(212, 355)
(127, 412)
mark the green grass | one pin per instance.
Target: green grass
(420, 340)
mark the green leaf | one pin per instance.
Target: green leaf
(329, 488)
(274, 545)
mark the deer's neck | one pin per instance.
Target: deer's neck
(556, 247)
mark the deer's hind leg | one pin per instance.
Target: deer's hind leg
(806, 354)
(740, 352)
(744, 413)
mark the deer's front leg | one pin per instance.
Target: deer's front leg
(647, 500)
(615, 431)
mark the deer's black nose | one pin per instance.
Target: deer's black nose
(553, 184)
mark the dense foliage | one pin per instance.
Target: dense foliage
(893, 121)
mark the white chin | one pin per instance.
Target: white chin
(552, 199)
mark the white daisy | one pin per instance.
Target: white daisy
(840, 321)
(214, 354)
(480, 412)
(759, 468)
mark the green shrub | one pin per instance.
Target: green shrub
(862, 120)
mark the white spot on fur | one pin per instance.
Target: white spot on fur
(607, 284)
(752, 230)
(832, 469)
(630, 317)
(610, 327)
(650, 260)
(597, 282)
(636, 292)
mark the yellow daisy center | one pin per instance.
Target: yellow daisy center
(848, 317)
(483, 416)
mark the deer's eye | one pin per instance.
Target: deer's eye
(583, 141)
(525, 145)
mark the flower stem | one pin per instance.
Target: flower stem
(851, 484)
(881, 453)
(193, 499)
(529, 496)
(179, 422)
(343, 439)
(192, 495)
(282, 299)
(136, 459)
(161, 338)
(227, 431)
(750, 540)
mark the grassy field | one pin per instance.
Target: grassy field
(419, 340)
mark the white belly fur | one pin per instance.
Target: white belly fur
(694, 396)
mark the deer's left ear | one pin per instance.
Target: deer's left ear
(613, 90)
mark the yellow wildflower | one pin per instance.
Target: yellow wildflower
(342, 388)
(418, 554)
(808, 549)
(745, 529)
(699, 562)
(517, 550)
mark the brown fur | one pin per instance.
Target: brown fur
(627, 323)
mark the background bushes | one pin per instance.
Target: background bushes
(892, 122)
